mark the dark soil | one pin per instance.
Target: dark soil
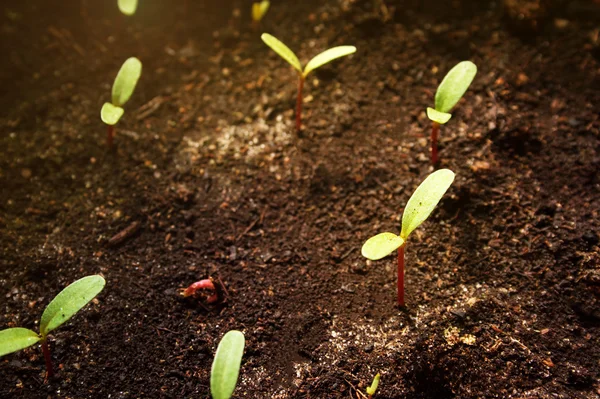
(210, 179)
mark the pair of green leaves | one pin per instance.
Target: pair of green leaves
(122, 89)
(259, 10)
(226, 365)
(321, 59)
(419, 207)
(128, 7)
(68, 302)
(450, 91)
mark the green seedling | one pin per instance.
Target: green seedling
(127, 7)
(321, 59)
(373, 388)
(259, 10)
(64, 306)
(226, 366)
(418, 209)
(450, 91)
(122, 90)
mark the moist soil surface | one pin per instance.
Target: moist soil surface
(208, 178)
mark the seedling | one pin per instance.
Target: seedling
(321, 59)
(64, 306)
(450, 91)
(122, 90)
(208, 291)
(373, 388)
(259, 10)
(226, 366)
(128, 7)
(419, 207)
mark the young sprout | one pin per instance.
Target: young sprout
(122, 90)
(321, 59)
(128, 7)
(373, 388)
(259, 10)
(208, 290)
(418, 209)
(450, 91)
(64, 306)
(226, 366)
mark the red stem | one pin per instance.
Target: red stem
(435, 128)
(110, 136)
(401, 276)
(299, 104)
(46, 351)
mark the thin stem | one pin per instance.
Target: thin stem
(110, 136)
(46, 351)
(299, 103)
(401, 276)
(435, 128)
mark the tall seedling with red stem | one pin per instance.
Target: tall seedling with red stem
(321, 59)
(122, 89)
(450, 91)
(418, 209)
(64, 306)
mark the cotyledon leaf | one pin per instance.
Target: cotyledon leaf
(125, 82)
(437, 116)
(15, 339)
(69, 301)
(381, 245)
(111, 114)
(260, 9)
(454, 85)
(282, 50)
(127, 7)
(425, 199)
(328, 56)
(226, 365)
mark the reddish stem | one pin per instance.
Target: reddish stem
(110, 136)
(199, 285)
(299, 103)
(401, 276)
(435, 128)
(46, 351)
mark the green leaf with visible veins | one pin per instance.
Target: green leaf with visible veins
(226, 366)
(454, 86)
(381, 245)
(127, 7)
(437, 116)
(69, 301)
(125, 82)
(282, 50)
(15, 339)
(111, 114)
(328, 56)
(425, 199)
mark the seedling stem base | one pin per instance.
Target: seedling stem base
(110, 136)
(401, 276)
(435, 128)
(299, 103)
(48, 359)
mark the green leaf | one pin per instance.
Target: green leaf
(328, 56)
(15, 339)
(111, 114)
(226, 366)
(127, 7)
(125, 81)
(437, 116)
(381, 245)
(69, 301)
(259, 10)
(373, 388)
(454, 85)
(425, 199)
(283, 50)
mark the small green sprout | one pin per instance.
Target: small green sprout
(450, 91)
(419, 207)
(128, 7)
(122, 90)
(226, 366)
(64, 306)
(373, 388)
(321, 59)
(259, 10)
